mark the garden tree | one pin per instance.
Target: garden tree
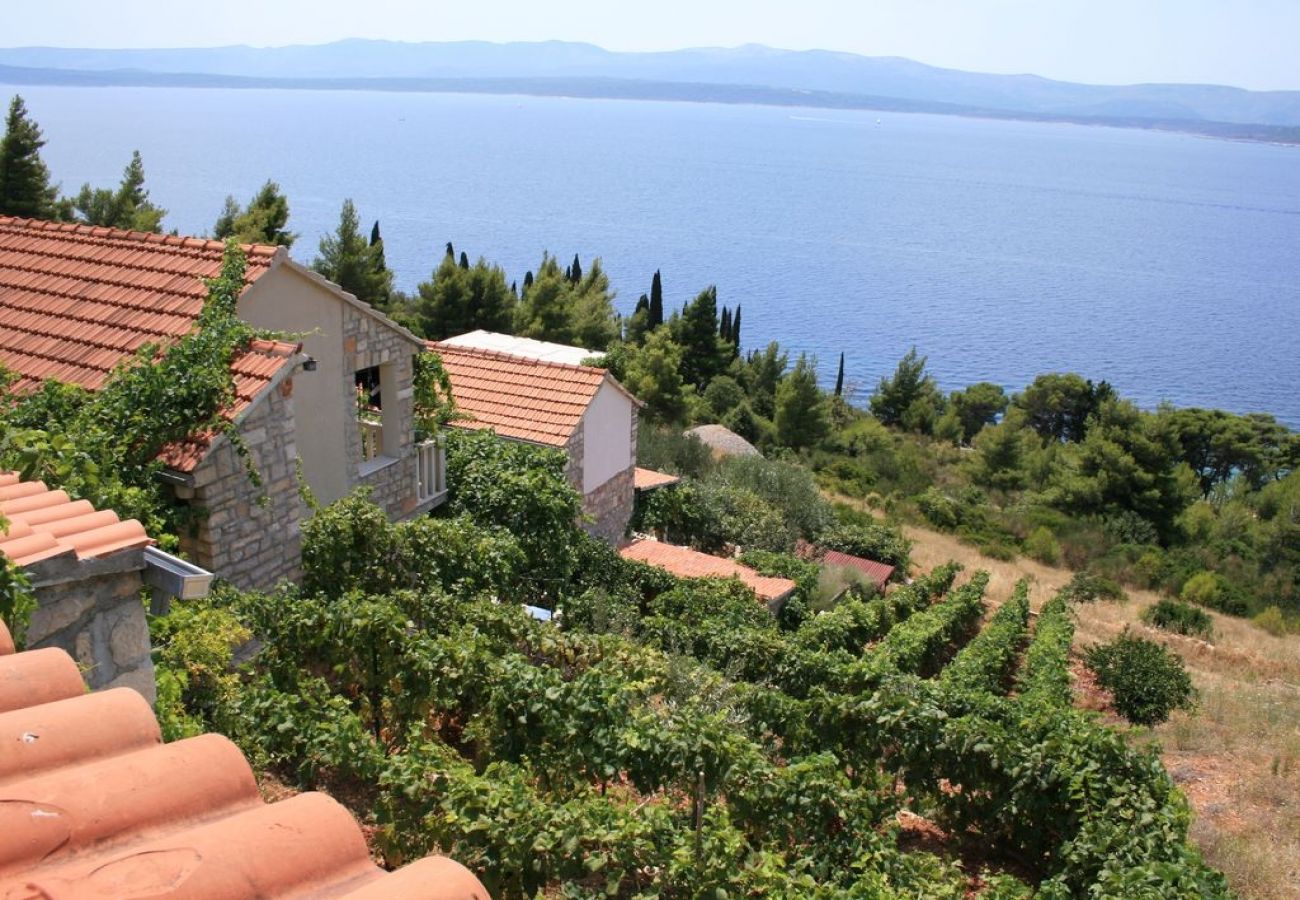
(978, 405)
(263, 221)
(128, 207)
(457, 299)
(654, 376)
(723, 395)
(25, 188)
(348, 260)
(763, 371)
(1058, 404)
(656, 301)
(1128, 462)
(801, 416)
(1001, 454)
(735, 332)
(910, 399)
(554, 308)
(696, 329)
(839, 377)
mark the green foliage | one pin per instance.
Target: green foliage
(522, 489)
(654, 376)
(25, 188)
(435, 407)
(17, 602)
(560, 308)
(978, 405)
(1043, 546)
(353, 263)
(128, 207)
(869, 538)
(669, 450)
(456, 300)
(1180, 618)
(263, 221)
(801, 416)
(909, 399)
(1058, 405)
(1146, 679)
(194, 649)
(1213, 590)
(1089, 587)
(986, 663)
(1044, 679)
(704, 354)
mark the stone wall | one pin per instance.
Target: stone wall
(368, 342)
(250, 535)
(94, 609)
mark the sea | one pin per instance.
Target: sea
(1166, 264)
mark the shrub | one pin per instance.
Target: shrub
(1273, 621)
(1088, 587)
(1043, 546)
(1213, 590)
(1146, 680)
(939, 509)
(1180, 618)
(871, 539)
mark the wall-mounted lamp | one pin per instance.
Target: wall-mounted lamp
(309, 364)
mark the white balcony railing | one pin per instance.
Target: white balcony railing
(431, 470)
(372, 439)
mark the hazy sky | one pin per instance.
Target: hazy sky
(1249, 43)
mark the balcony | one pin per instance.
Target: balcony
(431, 471)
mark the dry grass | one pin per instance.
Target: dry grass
(1237, 756)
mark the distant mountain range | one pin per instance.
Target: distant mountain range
(748, 74)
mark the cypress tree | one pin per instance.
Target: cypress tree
(575, 270)
(642, 303)
(25, 188)
(656, 301)
(724, 324)
(451, 251)
(528, 280)
(514, 289)
(735, 330)
(464, 260)
(839, 379)
(374, 234)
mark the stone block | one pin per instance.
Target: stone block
(140, 680)
(129, 640)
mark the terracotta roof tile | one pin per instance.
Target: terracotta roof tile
(45, 523)
(517, 397)
(687, 563)
(77, 301)
(94, 804)
(876, 571)
(649, 479)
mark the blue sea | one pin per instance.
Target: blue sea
(1167, 264)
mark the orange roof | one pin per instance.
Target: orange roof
(687, 563)
(520, 398)
(76, 301)
(45, 523)
(876, 571)
(649, 479)
(94, 804)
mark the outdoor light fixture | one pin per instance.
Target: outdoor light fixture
(309, 364)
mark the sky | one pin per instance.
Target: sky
(1246, 43)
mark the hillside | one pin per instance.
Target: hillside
(749, 74)
(1234, 757)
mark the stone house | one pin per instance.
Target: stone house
(540, 393)
(76, 301)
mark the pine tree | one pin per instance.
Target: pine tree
(656, 301)
(460, 298)
(801, 418)
(262, 222)
(25, 188)
(697, 333)
(350, 262)
(128, 207)
(839, 378)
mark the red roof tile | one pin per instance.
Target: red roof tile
(93, 804)
(76, 301)
(876, 571)
(649, 479)
(520, 398)
(687, 563)
(45, 523)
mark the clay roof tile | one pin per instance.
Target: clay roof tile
(687, 563)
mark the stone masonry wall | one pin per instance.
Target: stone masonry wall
(250, 535)
(94, 609)
(369, 342)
